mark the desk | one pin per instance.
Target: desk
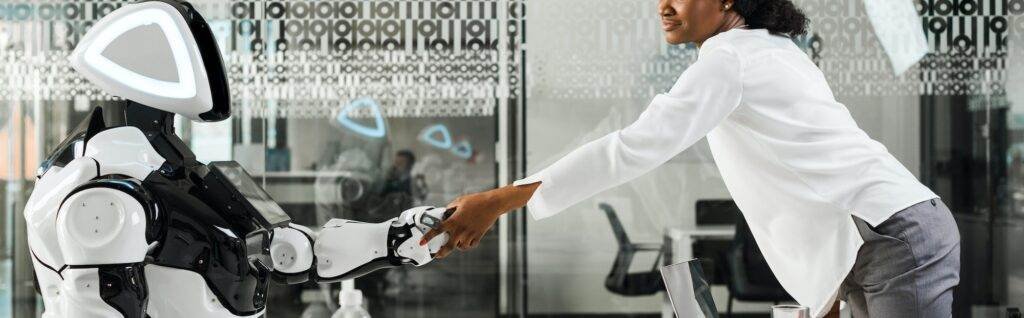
(680, 248)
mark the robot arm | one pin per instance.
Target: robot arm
(345, 249)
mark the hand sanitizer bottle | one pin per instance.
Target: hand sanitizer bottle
(351, 305)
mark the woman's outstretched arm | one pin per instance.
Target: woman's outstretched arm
(706, 93)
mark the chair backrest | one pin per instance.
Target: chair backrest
(750, 278)
(754, 263)
(620, 280)
(717, 212)
(617, 228)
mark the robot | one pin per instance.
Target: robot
(125, 222)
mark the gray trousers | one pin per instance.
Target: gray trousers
(908, 265)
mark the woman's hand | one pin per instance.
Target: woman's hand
(473, 217)
(475, 214)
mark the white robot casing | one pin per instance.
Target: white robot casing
(124, 222)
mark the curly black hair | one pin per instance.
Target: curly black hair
(778, 16)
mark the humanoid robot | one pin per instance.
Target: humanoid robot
(124, 222)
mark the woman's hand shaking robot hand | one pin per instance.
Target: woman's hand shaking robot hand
(346, 249)
(125, 222)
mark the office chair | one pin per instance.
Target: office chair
(620, 280)
(747, 273)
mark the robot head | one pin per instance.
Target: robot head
(160, 53)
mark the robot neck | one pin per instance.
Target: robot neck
(150, 120)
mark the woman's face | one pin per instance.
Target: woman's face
(687, 21)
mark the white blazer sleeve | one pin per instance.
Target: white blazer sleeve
(705, 94)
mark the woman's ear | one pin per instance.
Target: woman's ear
(727, 5)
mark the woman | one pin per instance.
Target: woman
(835, 215)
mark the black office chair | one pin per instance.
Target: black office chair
(747, 273)
(620, 280)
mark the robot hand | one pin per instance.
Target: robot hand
(422, 219)
(345, 249)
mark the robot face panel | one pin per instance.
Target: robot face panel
(160, 54)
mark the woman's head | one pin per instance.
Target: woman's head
(697, 20)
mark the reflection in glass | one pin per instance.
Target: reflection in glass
(463, 149)
(363, 104)
(437, 136)
(689, 290)
(334, 172)
(405, 65)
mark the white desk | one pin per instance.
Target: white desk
(682, 239)
(680, 242)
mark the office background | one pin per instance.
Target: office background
(329, 97)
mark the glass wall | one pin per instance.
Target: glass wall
(612, 61)
(953, 119)
(341, 109)
(360, 109)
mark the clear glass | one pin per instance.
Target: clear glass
(688, 290)
(790, 311)
(340, 109)
(318, 169)
(954, 120)
(593, 65)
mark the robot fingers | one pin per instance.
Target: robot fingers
(433, 217)
(428, 220)
(411, 249)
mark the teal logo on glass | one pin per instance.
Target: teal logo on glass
(345, 118)
(463, 150)
(437, 136)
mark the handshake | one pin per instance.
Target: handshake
(473, 215)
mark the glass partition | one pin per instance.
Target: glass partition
(340, 109)
(951, 119)
(360, 109)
